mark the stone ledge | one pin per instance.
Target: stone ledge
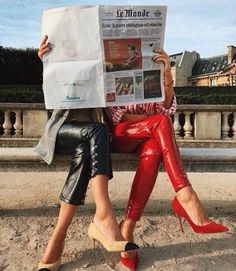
(18, 142)
(194, 159)
(15, 142)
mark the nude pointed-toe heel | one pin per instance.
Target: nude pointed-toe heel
(113, 246)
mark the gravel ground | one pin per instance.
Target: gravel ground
(29, 208)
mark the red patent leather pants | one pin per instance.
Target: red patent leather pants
(153, 138)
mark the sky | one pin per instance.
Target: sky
(204, 26)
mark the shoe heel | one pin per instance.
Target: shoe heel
(180, 222)
(93, 243)
(112, 246)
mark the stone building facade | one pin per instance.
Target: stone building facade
(189, 69)
(182, 65)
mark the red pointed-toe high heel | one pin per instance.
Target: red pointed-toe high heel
(211, 227)
(131, 263)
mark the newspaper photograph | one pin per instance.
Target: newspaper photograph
(102, 55)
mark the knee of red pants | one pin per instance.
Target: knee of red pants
(149, 147)
(166, 121)
(159, 120)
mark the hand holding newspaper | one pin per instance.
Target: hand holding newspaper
(101, 56)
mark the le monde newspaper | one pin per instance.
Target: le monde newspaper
(102, 56)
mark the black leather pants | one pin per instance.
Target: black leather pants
(88, 144)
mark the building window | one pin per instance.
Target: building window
(234, 80)
(213, 82)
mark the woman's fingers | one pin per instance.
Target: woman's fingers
(47, 45)
(160, 51)
(43, 52)
(167, 67)
(161, 55)
(44, 47)
(159, 58)
(43, 41)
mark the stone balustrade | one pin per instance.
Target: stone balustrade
(20, 120)
(205, 125)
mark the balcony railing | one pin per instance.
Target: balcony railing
(192, 123)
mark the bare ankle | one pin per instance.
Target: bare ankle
(129, 223)
(127, 229)
(53, 251)
(109, 226)
(186, 194)
(104, 218)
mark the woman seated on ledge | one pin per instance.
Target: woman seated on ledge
(88, 144)
(147, 129)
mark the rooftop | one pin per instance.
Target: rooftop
(213, 64)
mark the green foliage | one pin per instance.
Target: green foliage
(18, 66)
(21, 94)
(206, 95)
(185, 95)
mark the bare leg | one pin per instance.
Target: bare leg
(56, 242)
(104, 218)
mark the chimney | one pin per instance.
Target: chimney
(231, 53)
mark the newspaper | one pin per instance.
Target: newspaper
(102, 56)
